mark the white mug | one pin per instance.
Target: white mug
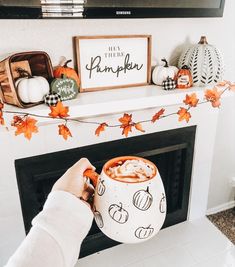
(129, 212)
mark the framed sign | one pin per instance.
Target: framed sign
(107, 62)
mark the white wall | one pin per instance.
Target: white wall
(169, 36)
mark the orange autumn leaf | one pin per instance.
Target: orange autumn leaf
(16, 120)
(158, 115)
(2, 122)
(139, 127)
(126, 124)
(59, 111)
(1, 117)
(191, 100)
(101, 128)
(126, 119)
(213, 96)
(232, 87)
(126, 129)
(222, 83)
(184, 114)
(25, 126)
(64, 131)
(1, 105)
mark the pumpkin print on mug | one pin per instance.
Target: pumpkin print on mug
(118, 214)
(162, 204)
(128, 199)
(98, 218)
(142, 199)
(144, 232)
(101, 188)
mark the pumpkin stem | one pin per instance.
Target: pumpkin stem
(120, 206)
(24, 73)
(149, 226)
(165, 61)
(203, 40)
(185, 67)
(66, 63)
(147, 190)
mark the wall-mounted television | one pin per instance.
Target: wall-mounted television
(110, 8)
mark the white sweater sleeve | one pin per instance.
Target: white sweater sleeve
(56, 235)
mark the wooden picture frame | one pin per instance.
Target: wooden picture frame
(109, 62)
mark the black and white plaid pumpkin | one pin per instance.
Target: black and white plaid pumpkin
(52, 99)
(169, 84)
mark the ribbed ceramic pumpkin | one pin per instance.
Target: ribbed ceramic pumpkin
(205, 62)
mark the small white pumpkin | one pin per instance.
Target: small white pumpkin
(31, 89)
(161, 73)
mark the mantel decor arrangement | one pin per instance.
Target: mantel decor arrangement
(104, 62)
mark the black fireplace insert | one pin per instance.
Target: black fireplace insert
(172, 152)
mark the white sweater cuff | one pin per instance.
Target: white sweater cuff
(67, 219)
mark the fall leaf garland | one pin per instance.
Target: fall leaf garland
(25, 123)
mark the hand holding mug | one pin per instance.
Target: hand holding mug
(73, 180)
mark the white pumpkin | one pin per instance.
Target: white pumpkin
(161, 73)
(32, 89)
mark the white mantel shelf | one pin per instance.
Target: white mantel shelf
(100, 103)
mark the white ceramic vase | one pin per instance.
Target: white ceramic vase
(205, 62)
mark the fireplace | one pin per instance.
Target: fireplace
(171, 150)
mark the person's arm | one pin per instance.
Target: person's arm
(57, 232)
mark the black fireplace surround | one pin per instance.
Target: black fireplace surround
(172, 152)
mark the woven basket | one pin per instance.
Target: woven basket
(40, 65)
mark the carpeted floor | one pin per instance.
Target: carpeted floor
(225, 222)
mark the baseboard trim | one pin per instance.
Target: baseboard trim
(225, 206)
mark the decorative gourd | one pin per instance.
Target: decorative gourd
(66, 87)
(205, 62)
(31, 89)
(98, 218)
(144, 232)
(169, 84)
(184, 78)
(101, 188)
(65, 70)
(118, 214)
(52, 99)
(142, 199)
(160, 73)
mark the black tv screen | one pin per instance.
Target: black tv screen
(110, 8)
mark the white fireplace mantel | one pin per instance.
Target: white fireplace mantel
(107, 106)
(100, 103)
